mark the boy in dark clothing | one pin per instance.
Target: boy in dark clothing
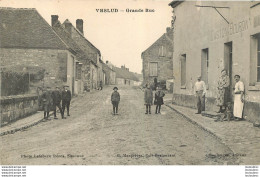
(56, 96)
(66, 97)
(158, 101)
(47, 102)
(115, 98)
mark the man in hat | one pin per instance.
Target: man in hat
(46, 101)
(115, 98)
(56, 96)
(66, 98)
(200, 92)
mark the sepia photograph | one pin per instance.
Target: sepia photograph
(149, 82)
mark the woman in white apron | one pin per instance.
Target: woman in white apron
(238, 98)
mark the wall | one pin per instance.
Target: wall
(120, 81)
(204, 28)
(165, 63)
(57, 63)
(17, 107)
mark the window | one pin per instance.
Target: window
(183, 70)
(162, 51)
(255, 62)
(153, 69)
(205, 65)
(258, 58)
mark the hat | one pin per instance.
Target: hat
(115, 88)
(65, 86)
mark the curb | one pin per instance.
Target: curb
(200, 126)
(22, 128)
(29, 125)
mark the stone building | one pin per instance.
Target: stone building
(110, 75)
(213, 36)
(80, 55)
(157, 59)
(28, 40)
(124, 76)
(92, 68)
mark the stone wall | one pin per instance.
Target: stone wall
(165, 62)
(16, 107)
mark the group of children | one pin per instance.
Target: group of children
(148, 99)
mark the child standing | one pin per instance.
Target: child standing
(158, 101)
(115, 98)
(148, 98)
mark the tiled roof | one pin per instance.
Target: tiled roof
(26, 28)
(87, 41)
(124, 74)
(65, 36)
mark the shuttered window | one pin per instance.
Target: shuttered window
(183, 70)
(162, 51)
(153, 69)
(205, 65)
(258, 58)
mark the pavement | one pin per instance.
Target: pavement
(174, 135)
(32, 120)
(241, 136)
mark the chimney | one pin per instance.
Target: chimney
(79, 25)
(54, 19)
(68, 27)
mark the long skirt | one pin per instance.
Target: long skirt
(238, 106)
(222, 97)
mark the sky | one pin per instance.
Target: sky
(121, 37)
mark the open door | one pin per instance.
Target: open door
(228, 63)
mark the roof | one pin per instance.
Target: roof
(168, 36)
(88, 42)
(65, 36)
(105, 66)
(175, 3)
(124, 74)
(26, 28)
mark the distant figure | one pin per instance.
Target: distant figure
(158, 100)
(66, 98)
(56, 96)
(223, 91)
(101, 85)
(115, 99)
(238, 98)
(47, 102)
(148, 98)
(200, 92)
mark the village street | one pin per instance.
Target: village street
(93, 136)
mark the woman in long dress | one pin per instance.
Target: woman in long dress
(238, 98)
(223, 91)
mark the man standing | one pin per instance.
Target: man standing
(238, 98)
(115, 99)
(47, 102)
(66, 97)
(200, 91)
(56, 96)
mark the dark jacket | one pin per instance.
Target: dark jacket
(46, 98)
(56, 96)
(148, 96)
(115, 96)
(158, 98)
(66, 95)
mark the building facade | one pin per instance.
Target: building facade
(92, 67)
(28, 40)
(208, 40)
(157, 59)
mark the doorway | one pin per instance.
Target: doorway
(228, 63)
